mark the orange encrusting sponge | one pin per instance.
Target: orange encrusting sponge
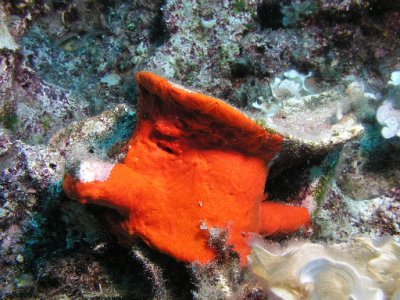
(194, 163)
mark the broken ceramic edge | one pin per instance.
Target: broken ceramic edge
(330, 142)
(295, 151)
(315, 100)
(81, 137)
(291, 124)
(78, 127)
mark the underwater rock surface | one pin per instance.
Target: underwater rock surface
(316, 71)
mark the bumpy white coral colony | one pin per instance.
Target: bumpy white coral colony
(363, 269)
(387, 114)
(389, 117)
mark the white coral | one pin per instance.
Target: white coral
(395, 78)
(285, 88)
(292, 86)
(389, 116)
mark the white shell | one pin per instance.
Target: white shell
(362, 269)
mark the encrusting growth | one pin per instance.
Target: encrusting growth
(194, 162)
